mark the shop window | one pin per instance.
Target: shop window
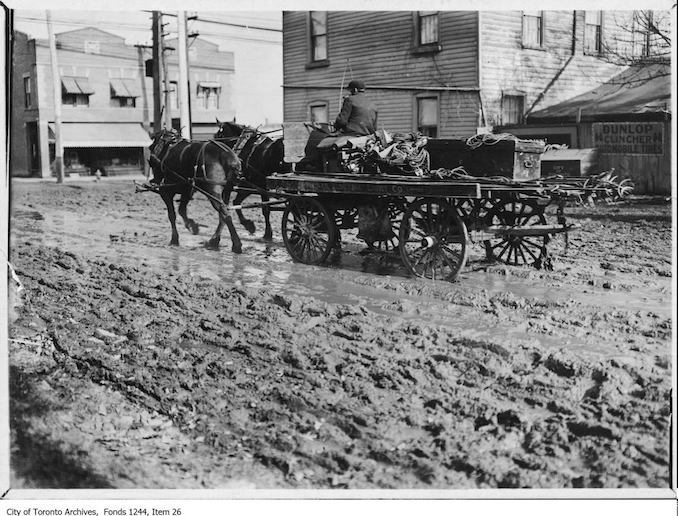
(318, 36)
(427, 116)
(28, 101)
(512, 109)
(593, 34)
(533, 29)
(319, 113)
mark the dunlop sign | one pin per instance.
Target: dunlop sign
(629, 137)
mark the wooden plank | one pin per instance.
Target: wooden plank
(298, 183)
(295, 137)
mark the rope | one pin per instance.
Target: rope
(488, 139)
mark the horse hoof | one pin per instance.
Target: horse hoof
(250, 227)
(174, 242)
(237, 250)
(268, 237)
(195, 229)
(212, 246)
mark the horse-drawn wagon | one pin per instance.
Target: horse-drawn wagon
(430, 217)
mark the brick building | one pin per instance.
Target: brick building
(444, 73)
(107, 103)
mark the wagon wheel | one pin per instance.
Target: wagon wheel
(517, 249)
(345, 218)
(473, 211)
(396, 208)
(433, 239)
(308, 230)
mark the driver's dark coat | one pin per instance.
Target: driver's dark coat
(358, 115)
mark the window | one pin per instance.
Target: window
(75, 91)
(593, 22)
(533, 29)
(124, 93)
(642, 36)
(319, 113)
(92, 47)
(27, 92)
(208, 94)
(173, 99)
(318, 35)
(512, 109)
(427, 27)
(124, 102)
(427, 116)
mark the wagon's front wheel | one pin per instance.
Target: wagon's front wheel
(308, 230)
(433, 239)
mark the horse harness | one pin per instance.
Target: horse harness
(165, 152)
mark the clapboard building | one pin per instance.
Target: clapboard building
(444, 73)
(106, 100)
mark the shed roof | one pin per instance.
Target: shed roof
(644, 91)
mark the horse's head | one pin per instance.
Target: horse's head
(229, 130)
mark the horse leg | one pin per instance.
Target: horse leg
(224, 218)
(168, 197)
(266, 210)
(189, 223)
(246, 223)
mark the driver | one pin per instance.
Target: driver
(358, 115)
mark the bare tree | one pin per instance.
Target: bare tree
(642, 41)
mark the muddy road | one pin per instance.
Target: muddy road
(139, 365)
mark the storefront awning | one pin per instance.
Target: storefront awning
(102, 135)
(124, 88)
(77, 85)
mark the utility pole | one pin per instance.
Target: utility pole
(56, 84)
(165, 77)
(184, 109)
(157, 52)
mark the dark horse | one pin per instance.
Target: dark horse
(182, 166)
(261, 156)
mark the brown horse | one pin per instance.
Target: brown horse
(182, 166)
(261, 156)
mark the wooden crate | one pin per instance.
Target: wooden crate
(516, 159)
(569, 162)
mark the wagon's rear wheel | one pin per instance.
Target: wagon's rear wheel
(473, 211)
(433, 239)
(517, 249)
(308, 230)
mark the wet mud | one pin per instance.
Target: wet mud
(139, 364)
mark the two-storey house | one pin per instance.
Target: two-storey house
(443, 73)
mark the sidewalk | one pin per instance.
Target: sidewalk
(79, 179)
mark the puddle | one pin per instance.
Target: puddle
(268, 266)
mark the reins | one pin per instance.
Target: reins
(192, 180)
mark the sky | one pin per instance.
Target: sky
(257, 87)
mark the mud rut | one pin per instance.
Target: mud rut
(134, 364)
